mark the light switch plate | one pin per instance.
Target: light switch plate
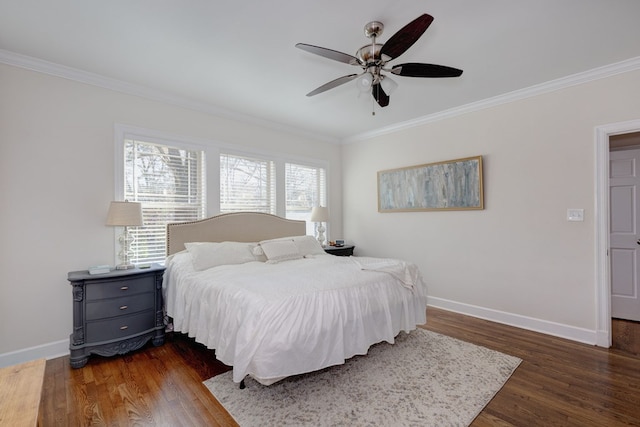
(575, 214)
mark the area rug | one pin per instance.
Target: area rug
(424, 379)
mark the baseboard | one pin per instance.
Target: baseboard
(46, 351)
(529, 323)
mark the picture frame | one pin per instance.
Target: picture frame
(441, 186)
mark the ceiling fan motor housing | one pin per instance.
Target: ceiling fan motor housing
(369, 53)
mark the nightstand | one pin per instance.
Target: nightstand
(346, 250)
(115, 312)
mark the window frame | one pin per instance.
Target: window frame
(126, 132)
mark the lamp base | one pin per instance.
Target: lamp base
(320, 229)
(125, 266)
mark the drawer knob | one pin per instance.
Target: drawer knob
(124, 288)
(124, 307)
(122, 328)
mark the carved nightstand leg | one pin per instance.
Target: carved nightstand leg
(79, 363)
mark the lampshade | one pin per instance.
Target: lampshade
(125, 214)
(364, 81)
(388, 85)
(319, 214)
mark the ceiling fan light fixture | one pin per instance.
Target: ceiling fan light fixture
(388, 85)
(365, 81)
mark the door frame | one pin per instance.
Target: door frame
(603, 283)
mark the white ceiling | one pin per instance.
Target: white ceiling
(239, 59)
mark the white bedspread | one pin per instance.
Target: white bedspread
(276, 320)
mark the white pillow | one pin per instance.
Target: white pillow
(308, 246)
(206, 255)
(278, 250)
(258, 253)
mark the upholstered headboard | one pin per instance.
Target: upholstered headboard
(232, 227)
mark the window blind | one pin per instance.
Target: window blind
(170, 184)
(247, 184)
(305, 187)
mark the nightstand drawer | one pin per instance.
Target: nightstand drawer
(119, 306)
(120, 327)
(113, 289)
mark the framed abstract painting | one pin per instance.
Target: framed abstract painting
(450, 185)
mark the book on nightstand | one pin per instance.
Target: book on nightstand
(99, 269)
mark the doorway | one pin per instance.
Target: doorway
(606, 137)
(624, 250)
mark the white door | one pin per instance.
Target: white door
(624, 253)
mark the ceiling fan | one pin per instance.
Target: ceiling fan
(373, 58)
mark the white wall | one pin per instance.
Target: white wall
(519, 260)
(56, 182)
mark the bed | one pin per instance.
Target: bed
(273, 304)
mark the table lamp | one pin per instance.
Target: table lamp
(319, 215)
(125, 214)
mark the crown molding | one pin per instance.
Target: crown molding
(46, 67)
(628, 65)
(74, 74)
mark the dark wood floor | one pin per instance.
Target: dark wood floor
(559, 383)
(626, 335)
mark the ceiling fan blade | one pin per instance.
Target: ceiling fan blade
(406, 36)
(413, 69)
(329, 53)
(380, 96)
(333, 83)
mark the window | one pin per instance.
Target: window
(170, 184)
(168, 175)
(305, 187)
(247, 184)
(251, 184)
